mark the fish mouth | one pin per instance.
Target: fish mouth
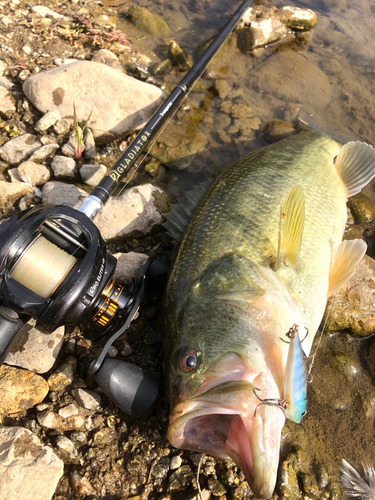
(222, 422)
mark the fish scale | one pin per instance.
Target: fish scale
(261, 254)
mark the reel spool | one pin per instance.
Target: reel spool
(55, 268)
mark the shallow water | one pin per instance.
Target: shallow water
(332, 79)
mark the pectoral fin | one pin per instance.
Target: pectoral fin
(345, 258)
(355, 164)
(292, 219)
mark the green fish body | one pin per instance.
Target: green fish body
(262, 253)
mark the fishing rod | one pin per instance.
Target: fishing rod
(55, 268)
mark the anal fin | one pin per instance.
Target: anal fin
(345, 258)
(355, 164)
(292, 219)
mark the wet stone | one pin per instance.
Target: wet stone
(161, 68)
(342, 363)
(289, 487)
(277, 130)
(20, 389)
(309, 486)
(297, 18)
(181, 58)
(181, 479)
(147, 21)
(352, 306)
(321, 474)
(361, 207)
(161, 469)
(216, 488)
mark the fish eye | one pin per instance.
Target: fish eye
(189, 360)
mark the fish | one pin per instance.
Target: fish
(261, 253)
(354, 485)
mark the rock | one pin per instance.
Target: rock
(302, 81)
(161, 68)
(361, 207)
(275, 130)
(107, 57)
(33, 173)
(92, 174)
(180, 479)
(90, 400)
(63, 167)
(176, 150)
(34, 350)
(80, 484)
(141, 209)
(181, 58)
(176, 462)
(47, 121)
(64, 375)
(28, 469)
(129, 265)
(62, 126)
(44, 152)
(146, 21)
(90, 150)
(10, 193)
(216, 488)
(68, 411)
(20, 390)
(7, 84)
(309, 486)
(46, 12)
(16, 150)
(59, 193)
(297, 18)
(72, 148)
(7, 105)
(51, 420)
(132, 102)
(66, 447)
(289, 487)
(352, 306)
(342, 363)
(262, 29)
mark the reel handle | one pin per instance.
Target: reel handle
(10, 326)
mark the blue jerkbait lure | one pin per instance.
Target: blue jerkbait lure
(295, 382)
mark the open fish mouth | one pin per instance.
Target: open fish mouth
(221, 422)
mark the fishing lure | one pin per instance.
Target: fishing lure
(294, 399)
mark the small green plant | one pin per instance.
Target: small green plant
(79, 145)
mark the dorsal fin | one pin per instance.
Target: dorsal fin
(355, 164)
(179, 217)
(292, 219)
(345, 258)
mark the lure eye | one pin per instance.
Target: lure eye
(189, 361)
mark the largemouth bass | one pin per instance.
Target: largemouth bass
(262, 253)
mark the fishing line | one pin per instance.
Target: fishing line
(309, 377)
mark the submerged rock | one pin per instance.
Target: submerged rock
(276, 130)
(352, 306)
(146, 21)
(28, 469)
(181, 58)
(132, 102)
(20, 390)
(361, 207)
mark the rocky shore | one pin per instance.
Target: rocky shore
(77, 79)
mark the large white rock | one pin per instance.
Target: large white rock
(28, 469)
(137, 211)
(119, 104)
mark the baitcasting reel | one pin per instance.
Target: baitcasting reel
(54, 267)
